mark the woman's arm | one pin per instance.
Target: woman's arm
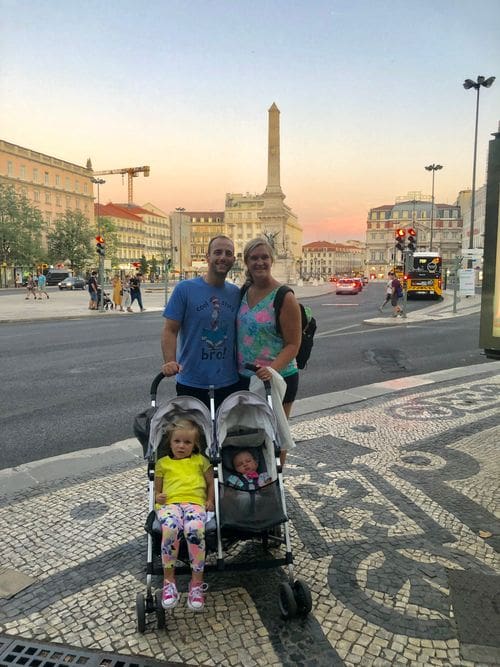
(291, 331)
(209, 478)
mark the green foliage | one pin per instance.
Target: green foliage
(144, 266)
(21, 226)
(108, 232)
(72, 239)
(154, 265)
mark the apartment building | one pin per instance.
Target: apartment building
(49, 183)
(322, 259)
(438, 226)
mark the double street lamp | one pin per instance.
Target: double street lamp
(468, 84)
(433, 168)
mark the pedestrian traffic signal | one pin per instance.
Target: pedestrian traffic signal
(100, 246)
(412, 240)
(400, 238)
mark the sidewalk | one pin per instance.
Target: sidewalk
(74, 305)
(393, 501)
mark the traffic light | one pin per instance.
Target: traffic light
(412, 240)
(100, 246)
(400, 239)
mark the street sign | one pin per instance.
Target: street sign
(467, 282)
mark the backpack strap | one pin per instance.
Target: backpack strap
(244, 290)
(278, 302)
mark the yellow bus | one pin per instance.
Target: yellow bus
(423, 276)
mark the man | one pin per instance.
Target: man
(41, 285)
(93, 290)
(135, 292)
(396, 294)
(198, 338)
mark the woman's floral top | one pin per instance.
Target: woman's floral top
(258, 341)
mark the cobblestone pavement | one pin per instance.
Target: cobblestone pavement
(386, 496)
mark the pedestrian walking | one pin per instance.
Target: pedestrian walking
(396, 295)
(117, 293)
(388, 292)
(126, 292)
(93, 291)
(135, 292)
(30, 287)
(42, 281)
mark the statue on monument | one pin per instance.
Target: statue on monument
(271, 238)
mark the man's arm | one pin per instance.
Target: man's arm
(169, 347)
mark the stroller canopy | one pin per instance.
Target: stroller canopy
(186, 407)
(244, 409)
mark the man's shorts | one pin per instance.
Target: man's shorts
(93, 296)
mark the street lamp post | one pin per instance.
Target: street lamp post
(433, 168)
(180, 211)
(98, 182)
(468, 84)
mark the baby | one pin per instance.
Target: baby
(247, 479)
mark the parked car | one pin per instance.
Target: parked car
(72, 282)
(347, 286)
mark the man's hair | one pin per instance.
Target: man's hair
(219, 236)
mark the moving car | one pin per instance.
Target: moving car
(55, 276)
(72, 282)
(359, 283)
(347, 286)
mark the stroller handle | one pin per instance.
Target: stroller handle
(267, 383)
(154, 385)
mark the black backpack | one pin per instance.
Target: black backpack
(308, 324)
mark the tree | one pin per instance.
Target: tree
(108, 232)
(21, 226)
(71, 239)
(144, 266)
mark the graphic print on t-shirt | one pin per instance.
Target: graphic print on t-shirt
(215, 337)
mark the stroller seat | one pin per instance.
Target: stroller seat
(249, 511)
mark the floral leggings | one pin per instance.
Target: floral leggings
(189, 519)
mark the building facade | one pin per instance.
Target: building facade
(438, 227)
(50, 184)
(322, 259)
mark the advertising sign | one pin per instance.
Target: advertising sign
(466, 278)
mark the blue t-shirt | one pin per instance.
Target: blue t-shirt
(206, 340)
(41, 280)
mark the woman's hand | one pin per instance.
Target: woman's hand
(264, 373)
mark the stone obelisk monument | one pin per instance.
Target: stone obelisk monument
(274, 214)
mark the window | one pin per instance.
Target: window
(85, 188)
(58, 180)
(35, 175)
(67, 183)
(10, 168)
(77, 204)
(395, 215)
(46, 178)
(22, 171)
(58, 200)
(405, 215)
(77, 186)
(68, 202)
(36, 195)
(47, 198)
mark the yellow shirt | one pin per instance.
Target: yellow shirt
(184, 479)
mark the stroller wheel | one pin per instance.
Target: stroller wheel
(160, 612)
(287, 603)
(140, 610)
(302, 597)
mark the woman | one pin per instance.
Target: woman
(117, 292)
(258, 341)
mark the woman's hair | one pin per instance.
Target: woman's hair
(181, 425)
(250, 247)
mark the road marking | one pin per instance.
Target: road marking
(340, 304)
(333, 334)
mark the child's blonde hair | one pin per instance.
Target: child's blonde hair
(181, 425)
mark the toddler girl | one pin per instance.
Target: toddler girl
(184, 489)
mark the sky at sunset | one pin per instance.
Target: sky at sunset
(370, 91)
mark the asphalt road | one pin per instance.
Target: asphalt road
(74, 384)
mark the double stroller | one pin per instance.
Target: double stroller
(244, 421)
(106, 300)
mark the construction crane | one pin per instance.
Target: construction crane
(132, 172)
